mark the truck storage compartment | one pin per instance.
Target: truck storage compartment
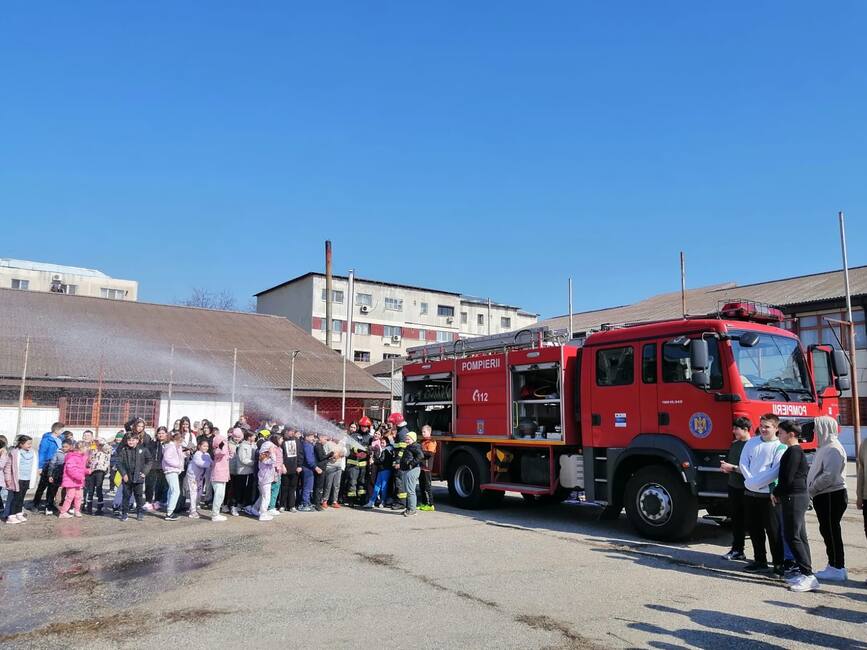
(536, 401)
(428, 400)
(535, 468)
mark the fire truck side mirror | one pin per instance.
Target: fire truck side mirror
(700, 362)
(748, 339)
(839, 364)
(842, 383)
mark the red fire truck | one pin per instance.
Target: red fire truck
(636, 416)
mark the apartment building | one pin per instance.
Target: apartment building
(71, 280)
(387, 318)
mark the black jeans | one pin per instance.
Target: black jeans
(318, 485)
(795, 530)
(424, 482)
(136, 489)
(289, 489)
(829, 511)
(763, 522)
(18, 498)
(736, 506)
(51, 495)
(156, 486)
(41, 486)
(92, 484)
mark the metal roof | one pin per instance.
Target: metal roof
(50, 268)
(74, 338)
(787, 293)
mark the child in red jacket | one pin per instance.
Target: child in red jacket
(75, 472)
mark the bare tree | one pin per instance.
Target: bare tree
(222, 300)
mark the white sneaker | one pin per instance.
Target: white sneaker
(806, 583)
(235, 512)
(13, 519)
(274, 512)
(218, 518)
(832, 574)
(193, 515)
(265, 517)
(147, 507)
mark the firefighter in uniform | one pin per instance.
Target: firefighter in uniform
(401, 442)
(358, 461)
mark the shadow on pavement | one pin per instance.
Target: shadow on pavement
(722, 629)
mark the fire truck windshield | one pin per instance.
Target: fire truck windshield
(773, 368)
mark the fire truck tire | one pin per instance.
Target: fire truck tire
(659, 505)
(467, 471)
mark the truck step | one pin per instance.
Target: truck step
(516, 487)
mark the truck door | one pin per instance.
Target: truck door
(650, 416)
(694, 415)
(615, 405)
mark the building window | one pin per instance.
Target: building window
(336, 296)
(362, 329)
(113, 411)
(24, 285)
(114, 294)
(815, 330)
(463, 318)
(394, 304)
(444, 337)
(364, 299)
(480, 319)
(422, 309)
(360, 355)
(336, 325)
(389, 355)
(505, 322)
(421, 335)
(392, 330)
(615, 367)
(69, 289)
(445, 310)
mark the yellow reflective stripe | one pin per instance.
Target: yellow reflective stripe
(401, 495)
(361, 492)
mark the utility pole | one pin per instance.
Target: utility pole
(347, 348)
(21, 392)
(292, 381)
(570, 310)
(853, 364)
(328, 290)
(683, 284)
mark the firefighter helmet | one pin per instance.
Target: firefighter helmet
(395, 418)
(365, 422)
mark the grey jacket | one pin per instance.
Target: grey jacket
(246, 460)
(828, 471)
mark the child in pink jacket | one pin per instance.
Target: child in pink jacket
(220, 473)
(75, 471)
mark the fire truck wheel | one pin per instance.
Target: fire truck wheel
(659, 504)
(467, 472)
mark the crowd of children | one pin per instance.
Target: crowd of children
(270, 470)
(195, 469)
(771, 487)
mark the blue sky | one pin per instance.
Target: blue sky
(488, 148)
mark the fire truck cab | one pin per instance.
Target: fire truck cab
(635, 416)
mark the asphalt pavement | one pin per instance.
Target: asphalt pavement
(518, 576)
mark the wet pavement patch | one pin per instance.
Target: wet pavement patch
(119, 626)
(379, 559)
(33, 588)
(548, 624)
